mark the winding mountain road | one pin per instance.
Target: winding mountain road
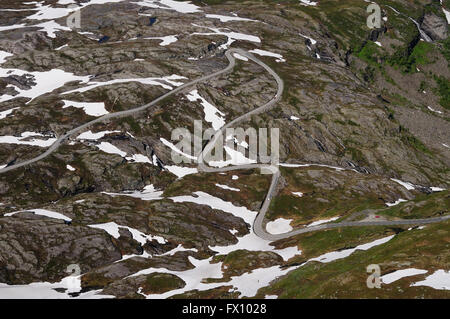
(258, 225)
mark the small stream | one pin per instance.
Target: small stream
(423, 35)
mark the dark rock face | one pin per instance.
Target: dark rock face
(40, 249)
(436, 27)
(346, 103)
(155, 283)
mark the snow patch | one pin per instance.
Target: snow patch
(399, 274)
(268, 53)
(279, 226)
(212, 114)
(440, 279)
(322, 221)
(42, 212)
(228, 188)
(93, 109)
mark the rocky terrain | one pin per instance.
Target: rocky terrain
(364, 136)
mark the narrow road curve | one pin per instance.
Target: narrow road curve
(259, 220)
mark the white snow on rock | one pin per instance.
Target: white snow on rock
(398, 201)
(203, 269)
(231, 35)
(308, 165)
(234, 177)
(11, 27)
(329, 257)
(378, 43)
(179, 6)
(308, 3)
(223, 18)
(166, 40)
(299, 194)
(139, 158)
(171, 79)
(203, 198)
(249, 283)
(181, 171)
(179, 248)
(4, 55)
(250, 241)
(399, 274)
(240, 57)
(88, 135)
(42, 212)
(110, 149)
(322, 221)
(113, 229)
(51, 27)
(148, 193)
(406, 185)
(61, 47)
(433, 110)
(93, 109)
(246, 284)
(228, 188)
(440, 279)
(310, 39)
(447, 14)
(24, 139)
(234, 158)
(268, 53)
(4, 114)
(46, 290)
(176, 150)
(294, 118)
(47, 12)
(279, 226)
(212, 114)
(46, 82)
(70, 168)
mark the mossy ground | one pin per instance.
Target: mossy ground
(426, 248)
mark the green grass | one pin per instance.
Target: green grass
(407, 60)
(158, 283)
(317, 243)
(346, 278)
(369, 53)
(444, 91)
(414, 142)
(446, 49)
(422, 206)
(318, 202)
